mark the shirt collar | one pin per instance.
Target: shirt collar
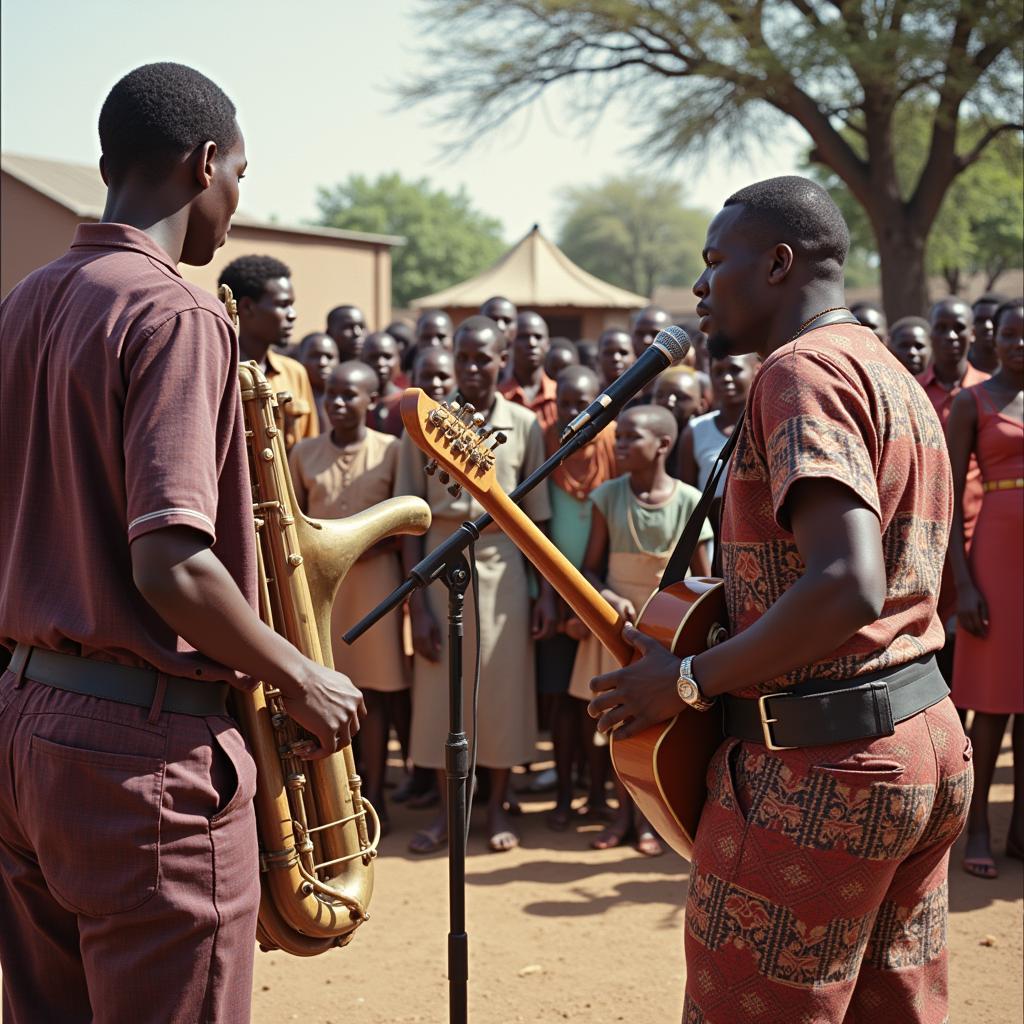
(121, 236)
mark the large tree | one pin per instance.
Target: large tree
(710, 71)
(633, 231)
(446, 240)
(979, 228)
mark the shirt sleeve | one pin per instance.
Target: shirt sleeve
(181, 402)
(536, 504)
(409, 475)
(810, 420)
(299, 479)
(308, 425)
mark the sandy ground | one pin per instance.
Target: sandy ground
(558, 932)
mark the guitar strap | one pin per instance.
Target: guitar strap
(681, 557)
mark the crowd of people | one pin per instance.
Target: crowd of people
(615, 510)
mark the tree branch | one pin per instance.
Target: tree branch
(965, 160)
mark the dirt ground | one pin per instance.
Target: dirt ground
(558, 931)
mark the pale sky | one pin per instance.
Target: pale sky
(312, 81)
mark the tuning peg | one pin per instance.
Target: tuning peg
(443, 477)
(467, 413)
(431, 467)
(500, 438)
(455, 489)
(479, 419)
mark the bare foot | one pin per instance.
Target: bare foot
(503, 836)
(978, 859)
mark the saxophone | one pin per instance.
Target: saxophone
(318, 836)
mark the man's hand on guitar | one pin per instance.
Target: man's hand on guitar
(640, 695)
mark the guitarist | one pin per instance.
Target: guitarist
(818, 889)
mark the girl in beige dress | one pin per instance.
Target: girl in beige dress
(336, 475)
(636, 521)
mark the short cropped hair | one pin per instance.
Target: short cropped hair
(909, 321)
(800, 213)
(989, 299)
(1007, 307)
(158, 113)
(247, 276)
(657, 417)
(479, 324)
(575, 375)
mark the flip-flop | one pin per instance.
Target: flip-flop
(647, 843)
(980, 867)
(426, 841)
(503, 841)
(607, 840)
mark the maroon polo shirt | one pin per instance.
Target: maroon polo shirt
(121, 414)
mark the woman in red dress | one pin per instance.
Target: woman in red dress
(988, 672)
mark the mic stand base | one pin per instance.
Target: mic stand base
(457, 579)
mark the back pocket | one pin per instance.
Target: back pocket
(94, 819)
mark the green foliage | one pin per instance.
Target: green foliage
(446, 239)
(713, 73)
(634, 232)
(980, 225)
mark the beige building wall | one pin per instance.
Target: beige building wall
(33, 231)
(326, 272)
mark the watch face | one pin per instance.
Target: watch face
(688, 691)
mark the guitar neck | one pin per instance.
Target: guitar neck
(595, 612)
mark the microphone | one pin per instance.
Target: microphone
(668, 347)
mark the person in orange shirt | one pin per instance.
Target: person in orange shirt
(952, 331)
(262, 287)
(526, 383)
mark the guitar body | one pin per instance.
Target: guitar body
(665, 767)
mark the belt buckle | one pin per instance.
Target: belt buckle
(767, 723)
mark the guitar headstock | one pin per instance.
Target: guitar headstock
(455, 440)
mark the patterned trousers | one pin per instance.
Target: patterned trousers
(818, 893)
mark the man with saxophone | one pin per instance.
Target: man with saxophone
(128, 856)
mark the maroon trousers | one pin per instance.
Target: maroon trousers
(818, 893)
(128, 862)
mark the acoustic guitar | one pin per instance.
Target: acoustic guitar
(664, 767)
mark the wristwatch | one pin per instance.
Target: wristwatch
(688, 688)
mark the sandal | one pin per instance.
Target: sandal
(980, 867)
(648, 844)
(427, 841)
(608, 839)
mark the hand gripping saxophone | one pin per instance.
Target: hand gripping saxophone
(318, 836)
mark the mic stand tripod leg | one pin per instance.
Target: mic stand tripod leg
(456, 759)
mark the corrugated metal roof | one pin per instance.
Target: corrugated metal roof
(80, 189)
(535, 272)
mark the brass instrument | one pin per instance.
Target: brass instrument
(317, 834)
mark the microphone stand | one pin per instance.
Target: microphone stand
(448, 563)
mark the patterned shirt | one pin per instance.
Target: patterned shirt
(836, 404)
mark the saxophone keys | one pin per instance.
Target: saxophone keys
(267, 454)
(295, 560)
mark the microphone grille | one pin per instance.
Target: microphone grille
(673, 341)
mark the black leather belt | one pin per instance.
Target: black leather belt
(824, 711)
(122, 683)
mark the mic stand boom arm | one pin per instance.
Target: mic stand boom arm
(431, 567)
